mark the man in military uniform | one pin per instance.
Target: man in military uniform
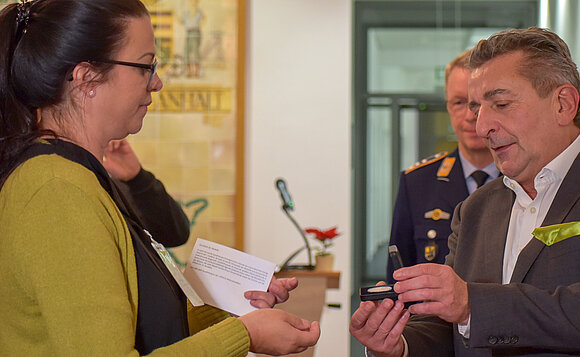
(430, 189)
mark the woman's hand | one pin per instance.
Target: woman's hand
(278, 292)
(276, 332)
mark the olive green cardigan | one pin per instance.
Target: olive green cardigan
(68, 275)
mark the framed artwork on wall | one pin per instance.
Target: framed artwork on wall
(192, 137)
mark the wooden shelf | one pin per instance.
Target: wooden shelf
(332, 277)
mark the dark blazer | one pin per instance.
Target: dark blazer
(421, 191)
(538, 312)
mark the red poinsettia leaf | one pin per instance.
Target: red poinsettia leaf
(318, 233)
(323, 235)
(331, 233)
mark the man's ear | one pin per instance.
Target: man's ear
(83, 77)
(566, 103)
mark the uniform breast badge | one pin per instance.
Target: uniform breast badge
(437, 214)
(431, 250)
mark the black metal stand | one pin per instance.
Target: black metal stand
(286, 265)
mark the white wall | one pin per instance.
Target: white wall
(298, 115)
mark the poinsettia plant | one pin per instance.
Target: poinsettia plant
(325, 237)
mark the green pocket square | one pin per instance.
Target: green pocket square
(557, 232)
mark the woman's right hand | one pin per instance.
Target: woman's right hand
(276, 332)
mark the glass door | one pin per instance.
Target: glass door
(401, 49)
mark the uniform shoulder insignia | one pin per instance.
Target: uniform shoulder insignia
(426, 161)
(445, 168)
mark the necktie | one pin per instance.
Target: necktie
(479, 176)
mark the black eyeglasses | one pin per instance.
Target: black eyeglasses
(151, 67)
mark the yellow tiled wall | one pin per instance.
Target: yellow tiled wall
(188, 139)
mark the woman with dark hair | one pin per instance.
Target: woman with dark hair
(79, 275)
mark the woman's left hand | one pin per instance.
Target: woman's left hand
(278, 292)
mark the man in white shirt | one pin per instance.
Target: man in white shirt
(511, 283)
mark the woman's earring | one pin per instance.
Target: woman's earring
(91, 93)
